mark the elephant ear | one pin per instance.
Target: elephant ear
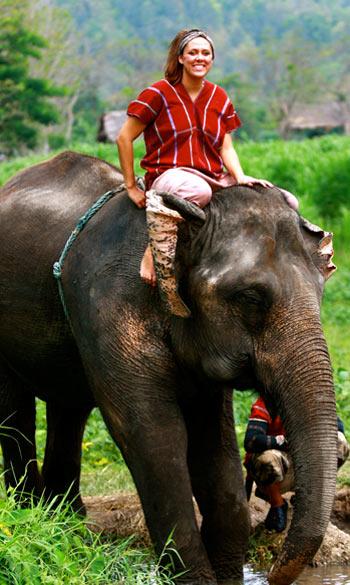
(186, 209)
(319, 244)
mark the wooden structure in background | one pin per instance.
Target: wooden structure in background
(318, 118)
(110, 124)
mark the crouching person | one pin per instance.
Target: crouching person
(268, 463)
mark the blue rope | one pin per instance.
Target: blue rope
(58, 266)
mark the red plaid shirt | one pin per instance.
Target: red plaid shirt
(180, 132)
(259, 412)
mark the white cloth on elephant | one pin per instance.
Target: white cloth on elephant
(156, 205)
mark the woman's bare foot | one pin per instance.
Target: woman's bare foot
(147, 271)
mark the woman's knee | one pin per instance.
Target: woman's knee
(200, 195)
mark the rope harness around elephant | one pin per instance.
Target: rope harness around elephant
(81, 223)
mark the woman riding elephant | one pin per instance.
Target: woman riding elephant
(187, 122)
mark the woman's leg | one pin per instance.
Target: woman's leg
(147, 270)
(185, 185)
(290, 199)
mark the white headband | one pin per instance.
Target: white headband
(194, 34)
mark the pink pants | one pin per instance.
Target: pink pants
(198, 188)
(191, 184)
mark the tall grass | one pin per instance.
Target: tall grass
(317, 171)
(46, 545)
(106, 152)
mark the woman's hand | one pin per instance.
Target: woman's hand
(137, 196)
(250, 181)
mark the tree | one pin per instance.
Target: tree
(284, 77)
(24, 100)
(251, 110)
(66, 61)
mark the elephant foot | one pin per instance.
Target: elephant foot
(78, 507)
(27, 500)
(197, 582)
(234, 579)
(75, 504)
(26, 496)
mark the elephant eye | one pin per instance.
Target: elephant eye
(258, 296)
(251, 304)
(251, 297)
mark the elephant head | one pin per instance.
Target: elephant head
(252, 272)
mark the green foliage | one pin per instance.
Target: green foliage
(24, 104)
(44, 544)
(333, 193)
(280, 51)
(335, 318)
(253, 113)
(87, 110)
(262, 548)
(316, 170)
(271, 54)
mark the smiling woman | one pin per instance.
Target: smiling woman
(186, 121)
(196, 60)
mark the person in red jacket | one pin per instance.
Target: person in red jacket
(268, 463)
(187, 122)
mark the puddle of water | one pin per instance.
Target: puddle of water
(252, 577)
(310, 576)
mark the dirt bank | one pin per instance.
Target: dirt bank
(341, 509)
(335, 549)
(121, 515)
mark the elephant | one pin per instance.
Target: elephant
(252, 273)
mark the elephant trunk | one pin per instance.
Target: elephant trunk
(297, 374)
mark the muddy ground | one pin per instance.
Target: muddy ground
(121, 515)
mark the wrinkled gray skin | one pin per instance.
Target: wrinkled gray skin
(163, 384)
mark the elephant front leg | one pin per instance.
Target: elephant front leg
(62, 461)
(217, 480)
(151, 434)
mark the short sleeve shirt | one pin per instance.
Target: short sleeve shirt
(180, 132)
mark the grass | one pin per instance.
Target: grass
(106, 152)
(317, 170)
(51, 545)
(45, 545)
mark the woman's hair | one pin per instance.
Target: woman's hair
(173, 69)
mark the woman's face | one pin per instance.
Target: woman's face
(197, 59)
